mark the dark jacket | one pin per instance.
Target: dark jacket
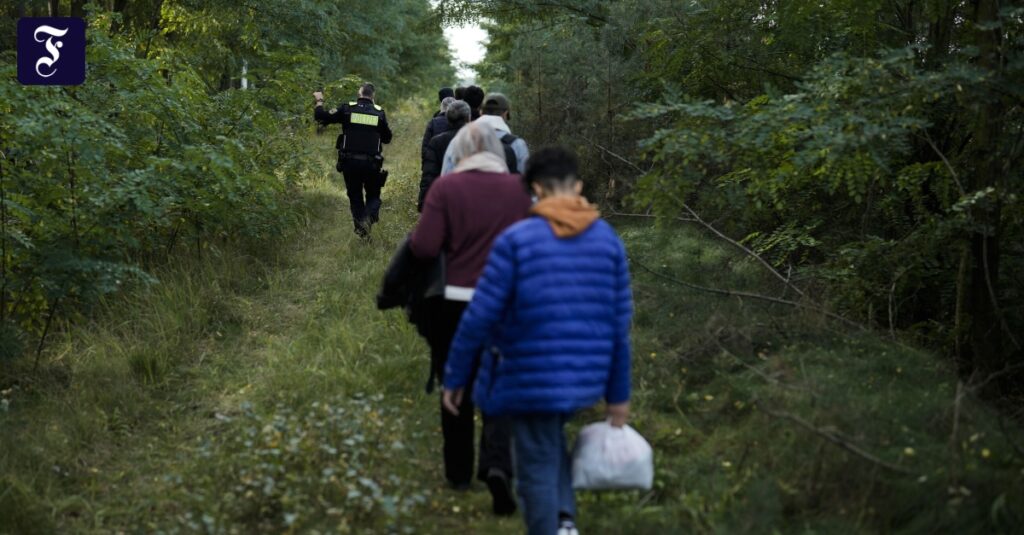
(554, 316)
(409, 281)
(412, 284)
(364, 127)
(437, 125)
(432, 156)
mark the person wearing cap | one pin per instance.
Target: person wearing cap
(495, 114)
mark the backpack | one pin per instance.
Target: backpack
(510, 155)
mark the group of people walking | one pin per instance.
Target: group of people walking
(530, 321)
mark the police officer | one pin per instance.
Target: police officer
(364, 128)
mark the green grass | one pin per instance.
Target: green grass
(264, 392)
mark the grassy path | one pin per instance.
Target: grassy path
(115, 427)
(267, 394)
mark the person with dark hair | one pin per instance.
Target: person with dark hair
(364, 129)
(496, 112)
(443, 93)
(457, 116)
(551, 316)
(474, 96)
(462, 214)
(460, 93)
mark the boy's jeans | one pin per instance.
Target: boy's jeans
(543, 470)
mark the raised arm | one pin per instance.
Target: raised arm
(323, 116)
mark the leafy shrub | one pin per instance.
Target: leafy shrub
(100, 178)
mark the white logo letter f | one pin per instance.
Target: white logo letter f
(51, 47)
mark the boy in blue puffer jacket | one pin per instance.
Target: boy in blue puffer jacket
(548, 333)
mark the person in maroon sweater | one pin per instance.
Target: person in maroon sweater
(463, 213)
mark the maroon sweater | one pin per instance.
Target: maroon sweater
(462, 215)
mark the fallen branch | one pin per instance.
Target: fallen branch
(1009, 368)
(835, 439)
(695, 218)
(749, 295)
(755, 369)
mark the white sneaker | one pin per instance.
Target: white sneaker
(568, 528)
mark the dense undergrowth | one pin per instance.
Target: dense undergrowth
(871, 150)
(264, 393)
(161, 154)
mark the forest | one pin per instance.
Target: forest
(821, 203)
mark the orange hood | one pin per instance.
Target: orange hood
(568, 215)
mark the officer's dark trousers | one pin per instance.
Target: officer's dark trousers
(360, 176)
(495, 437)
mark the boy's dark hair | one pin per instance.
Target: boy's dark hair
(367, 90)
(552, 168)
(474, 96)
(460, 93)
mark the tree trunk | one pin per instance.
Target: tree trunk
(78, 8)
(986, 328)
(54, 8)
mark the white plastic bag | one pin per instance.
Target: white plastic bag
(608, 457)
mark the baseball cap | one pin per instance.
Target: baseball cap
(495, 104)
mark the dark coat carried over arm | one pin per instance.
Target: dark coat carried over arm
(409, 281)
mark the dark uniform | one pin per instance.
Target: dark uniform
(364, 128)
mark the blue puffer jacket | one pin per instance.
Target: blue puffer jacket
(549, 321)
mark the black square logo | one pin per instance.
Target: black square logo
(51, 50)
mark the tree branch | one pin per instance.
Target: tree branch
(695, 218)
(749, 295)
(834, 438)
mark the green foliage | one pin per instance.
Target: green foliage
(719, 383)
(329, 466)
(251, 343)
(874, 147)
(157, 154)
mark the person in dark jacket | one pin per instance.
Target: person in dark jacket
(457, 116)
(364, 129)
(437, 124)
(462, 214)
(552, 310)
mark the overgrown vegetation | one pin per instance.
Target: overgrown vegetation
(262, 395)
(247, 384)
(158, 154)
(873, 147)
